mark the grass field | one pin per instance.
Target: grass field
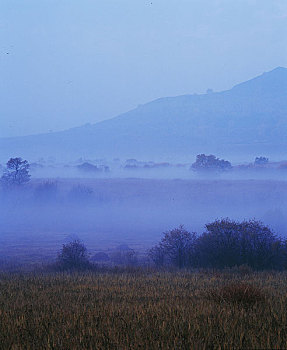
(144, 310)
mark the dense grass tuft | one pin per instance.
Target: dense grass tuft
(238, 293)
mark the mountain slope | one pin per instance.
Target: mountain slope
(249, 119)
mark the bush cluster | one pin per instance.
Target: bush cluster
(73, 256)
(210, 163)
(225, 243)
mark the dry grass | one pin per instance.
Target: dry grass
(142, 311)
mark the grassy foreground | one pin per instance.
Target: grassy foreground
(158, 310)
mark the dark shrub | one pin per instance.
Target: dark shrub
(229, 243)
(176, 248)
(73, 256)
(261, 161)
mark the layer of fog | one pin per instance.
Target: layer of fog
(133, 168)
(104, 213)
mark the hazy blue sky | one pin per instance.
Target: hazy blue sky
(64, 63)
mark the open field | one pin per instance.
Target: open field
(143, 310)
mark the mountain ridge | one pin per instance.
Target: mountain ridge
(234, 121)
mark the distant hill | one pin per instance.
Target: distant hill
(249, 119)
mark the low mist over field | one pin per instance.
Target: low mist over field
(105, 213)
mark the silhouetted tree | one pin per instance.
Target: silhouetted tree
(16, 172)
(225, 243)
(210, 163)
(261, 161)
(175, 248)
(73, 255)
(228, 243)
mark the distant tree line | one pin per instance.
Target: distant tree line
(210, 163)
(16, 172)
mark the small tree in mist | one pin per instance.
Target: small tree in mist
(73, 255)
(176, 248)
(16, 172)
(261, 161)
(210, 163)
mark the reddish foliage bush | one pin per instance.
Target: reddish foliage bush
(238, 293)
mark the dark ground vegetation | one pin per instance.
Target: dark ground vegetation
(144, 309)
